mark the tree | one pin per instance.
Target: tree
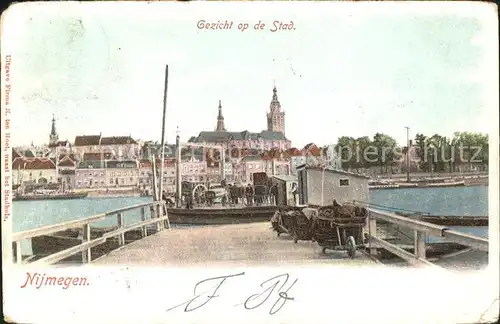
(472, 149)
(363, 154)
(386, 151)
(345, 149)
(421, 148)
(438, 147)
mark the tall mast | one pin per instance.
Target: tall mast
(162, 160)
(407, 154)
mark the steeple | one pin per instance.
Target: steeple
(220, 120)
(53, 134)
(275, 117)
(275, 105)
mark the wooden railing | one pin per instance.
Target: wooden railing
(421, 230)
(156, 208)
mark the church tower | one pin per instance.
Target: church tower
(220, 120)
(53, 134)
(275, 117)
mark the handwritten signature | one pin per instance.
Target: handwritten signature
(274, 286)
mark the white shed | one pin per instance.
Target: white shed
(287, 189)
(320, 186)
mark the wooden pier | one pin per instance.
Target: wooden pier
(243, 244)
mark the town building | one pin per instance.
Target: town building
(251, 164)
(272, 137)
(119, 147)
(90, 174)
(33, 171)
(87, 144)
(122, 173)
(150, 149)
(320, 186)
(297, 161)
(194, 171)
(32, 151)
(146, 174)
(66, 171)
(122, 147)
(88, 156)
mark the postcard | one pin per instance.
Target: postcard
(258, 162)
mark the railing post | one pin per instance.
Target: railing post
(87, 254)
(121, 237)
(419, 245)
(372, 230)
(159, 214)
(419, 242)
(167, 221)
(19, 253)
(143, 218)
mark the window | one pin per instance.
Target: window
(110, 181)
(344, 182)
(131, 179)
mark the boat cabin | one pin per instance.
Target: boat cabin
(320, 186)
(287, 189)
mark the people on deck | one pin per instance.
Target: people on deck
(274, 194)
(249, 194)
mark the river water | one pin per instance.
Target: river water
(467, 201)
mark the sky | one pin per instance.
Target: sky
(346, 69)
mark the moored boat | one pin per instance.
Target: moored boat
(54, 196)
(221, 215)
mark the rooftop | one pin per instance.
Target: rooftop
(33, 164)
(286, 177)
(352, 174)
(217, 136)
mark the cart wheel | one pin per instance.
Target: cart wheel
(351, 247)
(324, 250)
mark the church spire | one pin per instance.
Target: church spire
(220, 120)
(53, 134)
(275, 117)
(53, 130)
(275, 105)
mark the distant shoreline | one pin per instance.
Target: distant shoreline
(426, 186)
